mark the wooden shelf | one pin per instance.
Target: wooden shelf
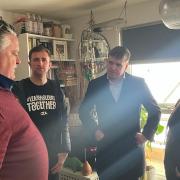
(65, 60)
(68, 65)
(48, 37)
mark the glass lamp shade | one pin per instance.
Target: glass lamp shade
(170, 13)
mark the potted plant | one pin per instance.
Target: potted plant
(149, 169)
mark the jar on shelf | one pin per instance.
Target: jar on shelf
(34, 24)
(28, 27)
(39, 25)
(48, 28)
(57, 30)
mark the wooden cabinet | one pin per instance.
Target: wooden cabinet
(64, 66)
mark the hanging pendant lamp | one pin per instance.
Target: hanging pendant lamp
(170, 13)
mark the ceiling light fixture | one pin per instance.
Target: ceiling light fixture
(169, 11)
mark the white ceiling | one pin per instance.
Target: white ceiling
(62, 9)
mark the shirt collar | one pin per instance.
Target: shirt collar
(5, 82)
(118, 81)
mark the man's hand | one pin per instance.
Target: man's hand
(58, 166)
(140, 138)
(99, 135)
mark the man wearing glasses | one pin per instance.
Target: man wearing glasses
(117, 97)
(23, 153)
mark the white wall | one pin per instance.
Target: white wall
(142, 13)
(138, 14)
(9, 17)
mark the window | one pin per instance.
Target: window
(152, 43)
(163, 79)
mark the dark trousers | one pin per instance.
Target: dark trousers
(120, 164)
(124, 177)
(53, 176)
(52, 161)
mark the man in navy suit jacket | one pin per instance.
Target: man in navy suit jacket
(117, 98)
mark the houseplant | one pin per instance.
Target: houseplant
(149, 169)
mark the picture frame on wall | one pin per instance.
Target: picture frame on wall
(60, 50)
(101, 49)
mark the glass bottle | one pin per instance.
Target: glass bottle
(39, 25)
(34, 24)
(28, 23)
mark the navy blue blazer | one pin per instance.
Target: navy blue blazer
(119, 121)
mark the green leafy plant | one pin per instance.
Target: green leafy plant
(143, 120)
(159, 130)
(73, 163)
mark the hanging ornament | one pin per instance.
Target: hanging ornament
(94, 50)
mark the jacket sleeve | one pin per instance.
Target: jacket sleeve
(153, 110)
(5, 135)
(65, 135)
(85, 111)
(174, 117)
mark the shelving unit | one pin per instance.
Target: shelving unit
(64, 66)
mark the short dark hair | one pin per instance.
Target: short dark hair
(119, 52)
(38, 48)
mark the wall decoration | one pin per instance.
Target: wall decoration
(94, 49)
(60, 50)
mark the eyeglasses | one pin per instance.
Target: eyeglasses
(5, 27)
